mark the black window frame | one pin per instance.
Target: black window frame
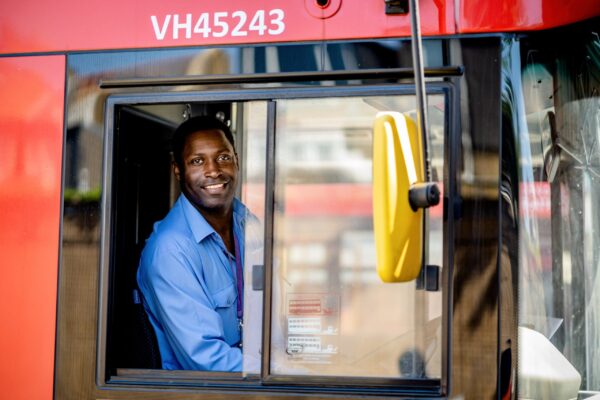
(265, 382)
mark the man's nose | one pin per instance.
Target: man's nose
(211, 169)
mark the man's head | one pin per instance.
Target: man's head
(195, 124)
(206, 163)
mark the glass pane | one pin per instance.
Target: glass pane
(254, 131)
(559, 234)
(331, 313)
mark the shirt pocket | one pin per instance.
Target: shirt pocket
(225, 301)
(225, 298)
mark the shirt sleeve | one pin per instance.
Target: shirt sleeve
(179, 299)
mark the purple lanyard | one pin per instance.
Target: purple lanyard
(239, 278)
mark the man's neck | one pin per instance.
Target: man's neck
(222, 222)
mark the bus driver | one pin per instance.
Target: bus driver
(190, 271)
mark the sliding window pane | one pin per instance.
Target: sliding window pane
(332, 316)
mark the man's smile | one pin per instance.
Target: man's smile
(215, 187)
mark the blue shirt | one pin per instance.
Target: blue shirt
(188, 281)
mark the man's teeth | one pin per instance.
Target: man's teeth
(216, 186)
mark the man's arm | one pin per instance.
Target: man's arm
(178, 298)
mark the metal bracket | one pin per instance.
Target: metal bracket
(258, 274)
(396, 7)
(429, 279)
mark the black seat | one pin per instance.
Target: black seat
(145, 352)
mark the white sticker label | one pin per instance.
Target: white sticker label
(313, 327)
(218, 24)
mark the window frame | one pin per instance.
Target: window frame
(265, 381)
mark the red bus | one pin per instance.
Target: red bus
(506, 303)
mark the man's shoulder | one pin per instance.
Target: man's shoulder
(174, 223)
(172, 230)
(170, 244)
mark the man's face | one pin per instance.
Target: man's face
(208, 175)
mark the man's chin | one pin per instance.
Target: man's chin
(212, 205)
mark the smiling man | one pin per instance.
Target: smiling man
(191, 269)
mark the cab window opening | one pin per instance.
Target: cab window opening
(314, 158)
(144, 190)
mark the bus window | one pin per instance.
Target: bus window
(559, 239)
(310, 250)
(141, 189)
(332, 315)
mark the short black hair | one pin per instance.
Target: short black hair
(192, 125)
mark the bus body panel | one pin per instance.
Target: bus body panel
(64, 25)
(522, 15)
(31, 133)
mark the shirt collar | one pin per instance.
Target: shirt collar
(200, 227)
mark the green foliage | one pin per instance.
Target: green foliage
(75, 196)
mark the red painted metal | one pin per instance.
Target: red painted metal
(31, 132)
(66, 25)
(522, 15)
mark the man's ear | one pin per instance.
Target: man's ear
(176, 171)
(237, 160)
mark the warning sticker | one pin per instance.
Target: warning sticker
(308, 325)
(312, 327)
(305, 306)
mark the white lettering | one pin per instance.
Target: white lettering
(219, 24)
(278, 21)
(202, 26)
(187, 25)
(160, 32)
(238, 30)
(222, 24)
(258, 23)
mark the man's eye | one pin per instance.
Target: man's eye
(224, 157)
(196, 161)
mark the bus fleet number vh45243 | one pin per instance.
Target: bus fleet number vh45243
(219, 24)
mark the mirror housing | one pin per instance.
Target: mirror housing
(399, 196)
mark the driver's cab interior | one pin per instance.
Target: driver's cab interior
(143, 190)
